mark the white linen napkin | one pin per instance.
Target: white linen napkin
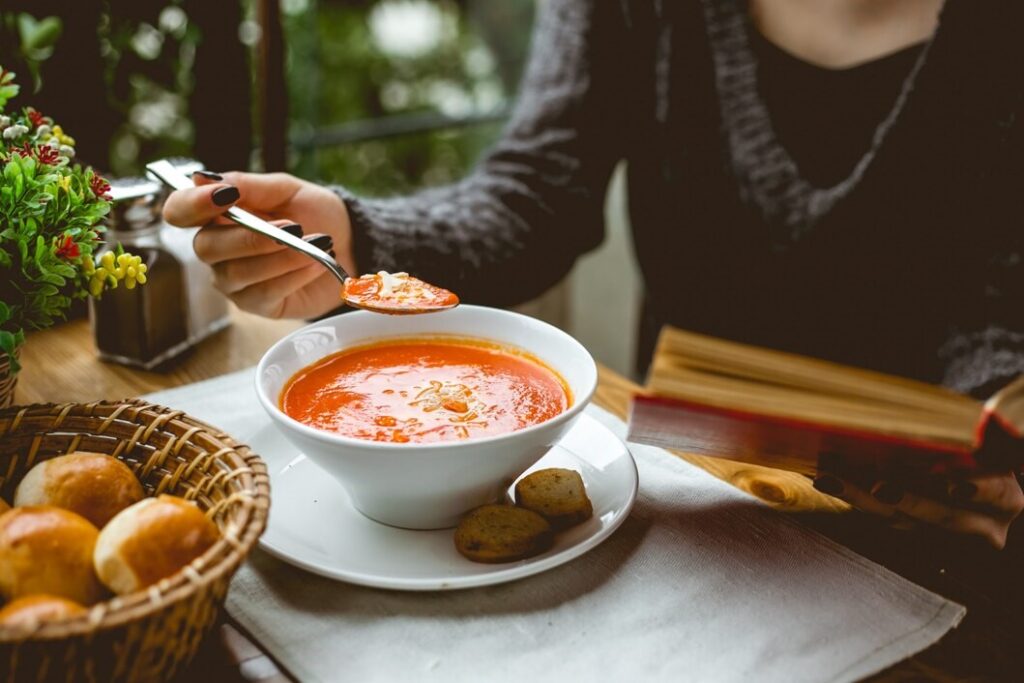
(701, 583)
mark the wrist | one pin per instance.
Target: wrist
(339, 225)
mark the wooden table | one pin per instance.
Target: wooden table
(60, 364)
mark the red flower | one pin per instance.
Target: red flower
(36, 117)
(68, 249)
(99, 187)
(47, 155)
(24, 151)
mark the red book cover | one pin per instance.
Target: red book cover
(721, 398)
(807, 447)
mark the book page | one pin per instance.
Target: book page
(795, 404)
(1007, 406)
(679, 351)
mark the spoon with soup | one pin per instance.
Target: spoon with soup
(382, 292)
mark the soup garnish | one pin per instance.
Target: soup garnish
(396, 293)
(425, 390)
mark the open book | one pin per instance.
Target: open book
(721, 398)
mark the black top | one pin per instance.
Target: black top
(826, 117)
(907, 261)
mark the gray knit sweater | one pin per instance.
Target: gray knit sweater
(911, 264)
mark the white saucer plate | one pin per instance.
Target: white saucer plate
(314, 526)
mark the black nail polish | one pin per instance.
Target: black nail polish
(294, 229)
(209, 175)
(963, 490)
(887, 493)
(828, 485)
(225, 195)
(321, 242)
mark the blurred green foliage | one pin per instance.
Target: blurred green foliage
(347, 62)
(30, 42)
(118, 73)
(365, 60)
(148, 57)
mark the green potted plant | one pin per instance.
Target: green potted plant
(50, 225)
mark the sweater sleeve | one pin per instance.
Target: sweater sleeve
(984, 349)
(515, 225)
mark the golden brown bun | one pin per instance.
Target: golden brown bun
(94, 485)
(151, 540)
(556, 494)
(35, 609)
(502, 533)
(47, 550)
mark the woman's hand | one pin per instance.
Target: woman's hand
(983, 506)
(257, 273)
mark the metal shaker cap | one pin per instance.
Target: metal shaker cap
(137, 202)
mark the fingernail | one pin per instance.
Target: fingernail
(225, 195)
(963, 490)
(321, 242)
(294, 229)
(887, 493)
(209, 175)
(828, 485)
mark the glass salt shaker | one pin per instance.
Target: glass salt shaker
(178, 307)
(207, 308)
(144, 326)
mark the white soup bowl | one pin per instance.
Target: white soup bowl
(425, 485)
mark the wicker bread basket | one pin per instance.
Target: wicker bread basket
(7, 380)
(153, 634)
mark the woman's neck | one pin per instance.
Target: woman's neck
(838, 34)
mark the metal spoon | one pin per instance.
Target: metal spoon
(176, 179)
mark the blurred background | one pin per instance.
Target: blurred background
(382, 96)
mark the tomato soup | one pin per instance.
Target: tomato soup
(396, 293)
(425, 390)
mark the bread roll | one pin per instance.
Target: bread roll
(502, 533)
(35, 609)
(151, 540)
(556, 494)
(94, 485)
(47, 550)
